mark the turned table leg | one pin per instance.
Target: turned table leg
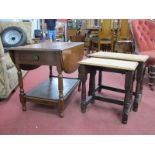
(151, 77)
(79, 85)
(51, 73)
(100, 81)
(83, 77)
(22, 94)
(92, 84)
(128, 96)
(139, 85)
(61, 98)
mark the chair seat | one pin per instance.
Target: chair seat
(151, 54)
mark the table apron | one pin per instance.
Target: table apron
(37, 58)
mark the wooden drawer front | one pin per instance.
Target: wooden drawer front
(36, 58)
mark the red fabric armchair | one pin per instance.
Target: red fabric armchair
(144, 35)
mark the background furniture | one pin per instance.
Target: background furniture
(71, 32)
(144, 35)
(105, 36)
(124, 42)
(8, 71)
(55, 90)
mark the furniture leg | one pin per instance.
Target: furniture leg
(139, 85)
(92, 84)
(22, 94)
(128, 96)
(131, 47)
(151, 77)
(83, 92)
(61, 99)
(114, 40)
(112, 46)
(89, 47)
(131, 93)
(51, 73)
(99, 46)
(92, 48)
(79, 86)
(100, 81)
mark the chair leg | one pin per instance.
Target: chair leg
(92, 47)
(99, 47)
(151, 77)
(112, 47)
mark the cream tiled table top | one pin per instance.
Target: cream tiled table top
(110, 63)
(121, 56)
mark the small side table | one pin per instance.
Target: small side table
(55, 90)
(141, 59)
(91, 65)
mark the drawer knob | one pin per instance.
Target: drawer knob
(36, 58)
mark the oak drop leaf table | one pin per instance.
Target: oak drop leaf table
(55, 90)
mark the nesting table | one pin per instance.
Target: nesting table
(141, 59)
(56, 89)
(117, 63)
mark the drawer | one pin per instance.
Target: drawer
(36, 58)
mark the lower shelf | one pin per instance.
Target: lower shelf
(48, 90)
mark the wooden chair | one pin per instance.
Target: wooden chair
(124, 38)
(105, 36)
(71, 32)
(124, 32)
(77, 38)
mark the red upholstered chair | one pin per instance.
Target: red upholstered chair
(144, 35)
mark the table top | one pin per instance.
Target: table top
(121, 56)
(64, 55)
(110, 63)
(48, 46)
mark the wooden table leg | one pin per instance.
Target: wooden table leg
(79, 85)
(128, 96)
(61, 98)
(100, 81)
(22, 94)
(131, 93)
(151, 77)
(83, 77)
(51, 73)
(92, 84)
(139, 85)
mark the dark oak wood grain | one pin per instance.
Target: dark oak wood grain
(90, 67)
(63, 55)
